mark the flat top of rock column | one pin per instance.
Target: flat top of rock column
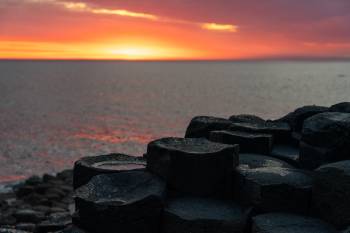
(277, 175)
(121, 188)
(341, 167)
(286, 151)
(190, 145)
(204, 209)
(290, 223)
(262, 126)
(112, 162)
(257, 161)
(242, 134)
(211, 119)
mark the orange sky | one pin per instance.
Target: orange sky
(182, 29)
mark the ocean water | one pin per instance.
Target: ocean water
(52, 113)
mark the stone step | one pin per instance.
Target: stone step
(287, 153)
(201, 126)
(289, 223)
(197, 215)
(193, 166)
(128, 201)
(270, 189)
(88, 167)
(248, 142)
(257, 161)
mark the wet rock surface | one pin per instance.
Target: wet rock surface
(280, 131)
(325, 139)
(201, 126)
(296, 119)
(331, 193)
(246, 118)
(258, 161)
(340, 107)
(88, 167)
(270, 189)
(287, 153)
(289, 223)
(198, 215)
(193, 166)
(196, 185)
(128, 201)
(34, 201)
(248, 142)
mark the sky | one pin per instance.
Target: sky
(174, 30)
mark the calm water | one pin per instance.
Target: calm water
(52, 113)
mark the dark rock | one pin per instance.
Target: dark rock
(271, 189)
(29, 216)
(201, 126)
(325, 139)
(281, 131)
(195, 215)
(36, 199)
(347, 230)
(26, 227)
(289, 223)
(288, 153)
(6, 219)
(72, 229)
(49, 177)
(257, 161)
(296, 119)
(341, 107)
(24, 190)
(248, 142)
(66, 175)
(193, 166)
(331, 193)
(34, 180)
(128, 201)
(88, 167)
(55, 222)
(11, 230)
(246, 118)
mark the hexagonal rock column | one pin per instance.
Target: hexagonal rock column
(289, 223)
(88, 167)
(201, 126)
(271, 189)
(325, 139)
(126, 202)
(246, 118)
(197, 215)
(248, 142)
(341, 107)
(280, 130)
(331, 193)
(296, 119)
(257, 161)
(193, 166)
(288, 153)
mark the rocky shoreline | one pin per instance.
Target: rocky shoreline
(238, 175)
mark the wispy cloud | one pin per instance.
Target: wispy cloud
(84, 7)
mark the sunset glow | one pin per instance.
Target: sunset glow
(164, 30)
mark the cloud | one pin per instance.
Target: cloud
(220, 27)
(89, 8)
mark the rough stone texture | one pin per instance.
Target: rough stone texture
(289, 223)
(296, 119)
(341, 107)
(55, 222)
(325, 139)
(271, 189)
(246, 118)
(280, 130)
(9, 230)
(288, 153)
(197, 215)
(201, 126)
(29, 216)
(72, 229)
(331, 193)
(193, 166)
(128, 201)
(248, 142)
(88, 167)
(257, 161)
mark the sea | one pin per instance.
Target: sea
(54, 112)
